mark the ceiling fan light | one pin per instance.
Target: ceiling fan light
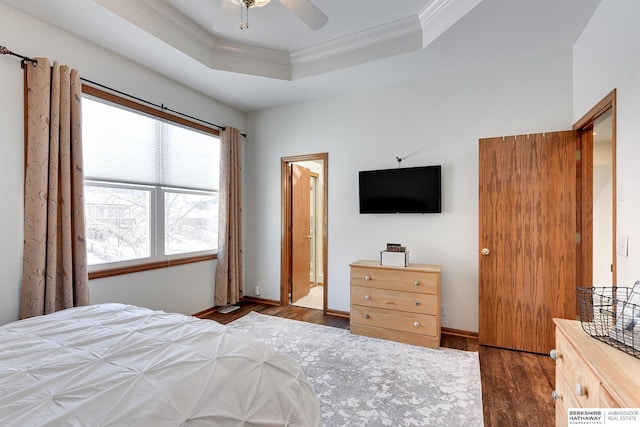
(254, 3)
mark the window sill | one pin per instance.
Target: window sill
(108, 272)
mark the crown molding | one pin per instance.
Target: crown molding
(393, 30)
(440, 15)
(174, 18)
(168, 24)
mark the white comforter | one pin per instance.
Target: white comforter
(121, 365)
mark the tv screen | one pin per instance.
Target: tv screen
(402, 190)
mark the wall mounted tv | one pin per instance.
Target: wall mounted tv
(401, 190)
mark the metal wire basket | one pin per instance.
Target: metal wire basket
(611, 315)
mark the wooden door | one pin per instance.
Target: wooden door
(300, 231)
(528, 225)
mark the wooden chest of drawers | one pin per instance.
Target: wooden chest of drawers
(590, 373)
(396, 303)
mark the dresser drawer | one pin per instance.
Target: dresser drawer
(565, 400)
(413, 302)
(607, 400)
(581, 382)
(408, 322)
(407, 281)
(609, 377)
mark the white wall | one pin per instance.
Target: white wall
(606, 56)
(437, 120)
(185, 289)
(602, 214)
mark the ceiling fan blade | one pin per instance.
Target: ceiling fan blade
(307, 12)
(226, 17)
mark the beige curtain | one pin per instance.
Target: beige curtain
(54, 257)
(229, 268)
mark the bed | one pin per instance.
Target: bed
(121, 365)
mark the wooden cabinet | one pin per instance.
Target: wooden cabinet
(396, 303)
(590, 373)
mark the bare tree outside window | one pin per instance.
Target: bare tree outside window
(118, 224)
(191, 222)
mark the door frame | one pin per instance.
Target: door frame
(286, 220)
(585, 215)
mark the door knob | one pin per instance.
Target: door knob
(485, 251)
(554, 354)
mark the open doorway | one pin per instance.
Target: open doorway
(304, 231)
(597, 130)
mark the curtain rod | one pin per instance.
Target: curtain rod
(5, 51)
(160, 106)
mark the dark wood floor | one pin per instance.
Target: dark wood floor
(516, 386)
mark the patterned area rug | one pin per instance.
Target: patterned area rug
(364, 381)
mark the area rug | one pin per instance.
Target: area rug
(364, 381)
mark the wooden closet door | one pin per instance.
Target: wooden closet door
(300, 231)
(528, 249)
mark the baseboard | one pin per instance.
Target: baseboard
(206, 312)
(459, 333)
(215, 309)
(261, 300)
(339, 313)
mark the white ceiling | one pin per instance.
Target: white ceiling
(279, 60)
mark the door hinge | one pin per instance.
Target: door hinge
(578, 155)
(578, 237)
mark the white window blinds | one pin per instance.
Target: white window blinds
(122, 145)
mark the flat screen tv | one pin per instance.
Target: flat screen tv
(401, 190)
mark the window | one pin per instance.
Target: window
(151, 185)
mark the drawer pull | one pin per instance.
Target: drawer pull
(555, 395)
(417, 302)
(580, 390)
(366, 316)
(416, 282)
(366, 296)
(367, 278)
(416, 324)
(554, 354)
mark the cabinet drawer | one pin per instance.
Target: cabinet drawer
(408, 322)
(413, 302)
(407, 281)
(606, 400)
(577, 375)
(564, 401)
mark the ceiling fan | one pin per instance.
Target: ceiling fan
(306, 11)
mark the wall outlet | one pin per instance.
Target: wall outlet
(443, 310)
(256, 290)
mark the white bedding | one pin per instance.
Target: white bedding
(121, 365)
